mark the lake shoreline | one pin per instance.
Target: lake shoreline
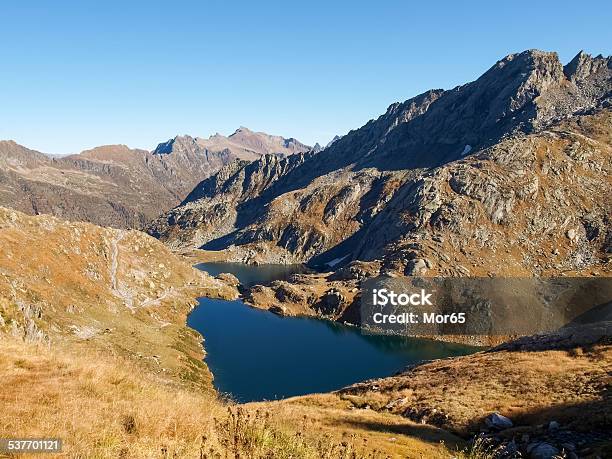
(255, 354)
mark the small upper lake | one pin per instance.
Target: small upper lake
(257, 355)
(249, 275)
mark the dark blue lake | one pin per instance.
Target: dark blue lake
(249, 275)
(257, 355)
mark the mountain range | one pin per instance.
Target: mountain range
(114, 185)
(506, 176)
(516, 162)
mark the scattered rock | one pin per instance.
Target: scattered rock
(278, 309)
(498, 422)
(229, 279)
(542, 450)
(553, 425)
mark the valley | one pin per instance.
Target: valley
(203, 299)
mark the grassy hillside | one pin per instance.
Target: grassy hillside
(94, 349)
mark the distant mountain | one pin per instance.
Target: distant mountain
(242, 144)
(111, 185)
(336, 138)
(516, 160)
(114, 185)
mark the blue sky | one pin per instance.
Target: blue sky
(74, 75)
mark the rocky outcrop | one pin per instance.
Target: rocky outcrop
(211, 210)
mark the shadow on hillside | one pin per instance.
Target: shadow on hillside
(423, 432)
(589, 329)
(589, 417)
(220, 243)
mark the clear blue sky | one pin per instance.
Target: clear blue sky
(74, 75)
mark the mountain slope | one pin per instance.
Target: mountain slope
(77, 284)
(521, 154)
(116, 186)
(559, 378)
(111, 185)
(92, 325)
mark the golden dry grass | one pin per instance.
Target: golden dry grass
(105, 407)
(100, 407)
(117, 291)
(371, 432)
(532, 387)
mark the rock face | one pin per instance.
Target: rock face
(121, 187)
(439, 184)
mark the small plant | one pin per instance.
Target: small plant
(129, 424)
(482, 448)
(244, 434)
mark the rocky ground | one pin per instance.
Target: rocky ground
(404, 196)
(92, 323)
(506, 176)
(94, 349)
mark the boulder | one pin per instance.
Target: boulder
(331, 302)
(497, 421)
(417, 267)
(553, 425)
(542, 450)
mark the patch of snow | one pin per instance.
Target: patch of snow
(335, 261)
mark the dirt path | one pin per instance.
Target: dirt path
(115, 257)
(119, 292)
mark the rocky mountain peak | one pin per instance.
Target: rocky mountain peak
(511, 86)
(178, 143)
(409, 170)
(583, 65)
(336, 137)
(241, 130)
(243, 143)
(107, 153)
(523, 92)
(14, 154)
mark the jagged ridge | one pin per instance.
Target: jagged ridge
(469, 167)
